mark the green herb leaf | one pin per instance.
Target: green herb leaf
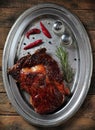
(67, 70)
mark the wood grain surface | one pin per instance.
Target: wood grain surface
(10, 10)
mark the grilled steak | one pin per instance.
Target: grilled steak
(40, 76)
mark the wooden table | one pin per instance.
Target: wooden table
(10, 10)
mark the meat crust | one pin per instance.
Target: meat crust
(40, 76)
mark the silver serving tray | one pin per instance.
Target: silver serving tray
(80, 59)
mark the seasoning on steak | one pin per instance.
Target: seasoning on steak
(40, 76)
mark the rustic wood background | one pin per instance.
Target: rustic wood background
(10, 10)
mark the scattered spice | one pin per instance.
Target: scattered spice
(33, 31)
(45, 31)
(33, 44)
(37, 31)
(50, 42)
(24, 43)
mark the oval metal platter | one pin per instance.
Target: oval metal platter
(79, 53)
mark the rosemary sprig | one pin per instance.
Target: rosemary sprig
(66, 68)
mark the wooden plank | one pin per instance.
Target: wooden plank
(9, 15)
(17, 123)
(1, 52)
(91, 90)
(21, 4)
(3, 35)
(87, 108)
(86, 4)
(87, 17)
(71, 4)
(1, 83)
(84, 118)
(4, 32)
(6, 107)
(92, 86)
(17, 4)
(91, 35)
(93, 62)
(1, 79)
(14, 123)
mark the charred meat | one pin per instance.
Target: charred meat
(40, 76)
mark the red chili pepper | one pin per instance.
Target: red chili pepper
(45, 31)
(33, 44)
(32, 31)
